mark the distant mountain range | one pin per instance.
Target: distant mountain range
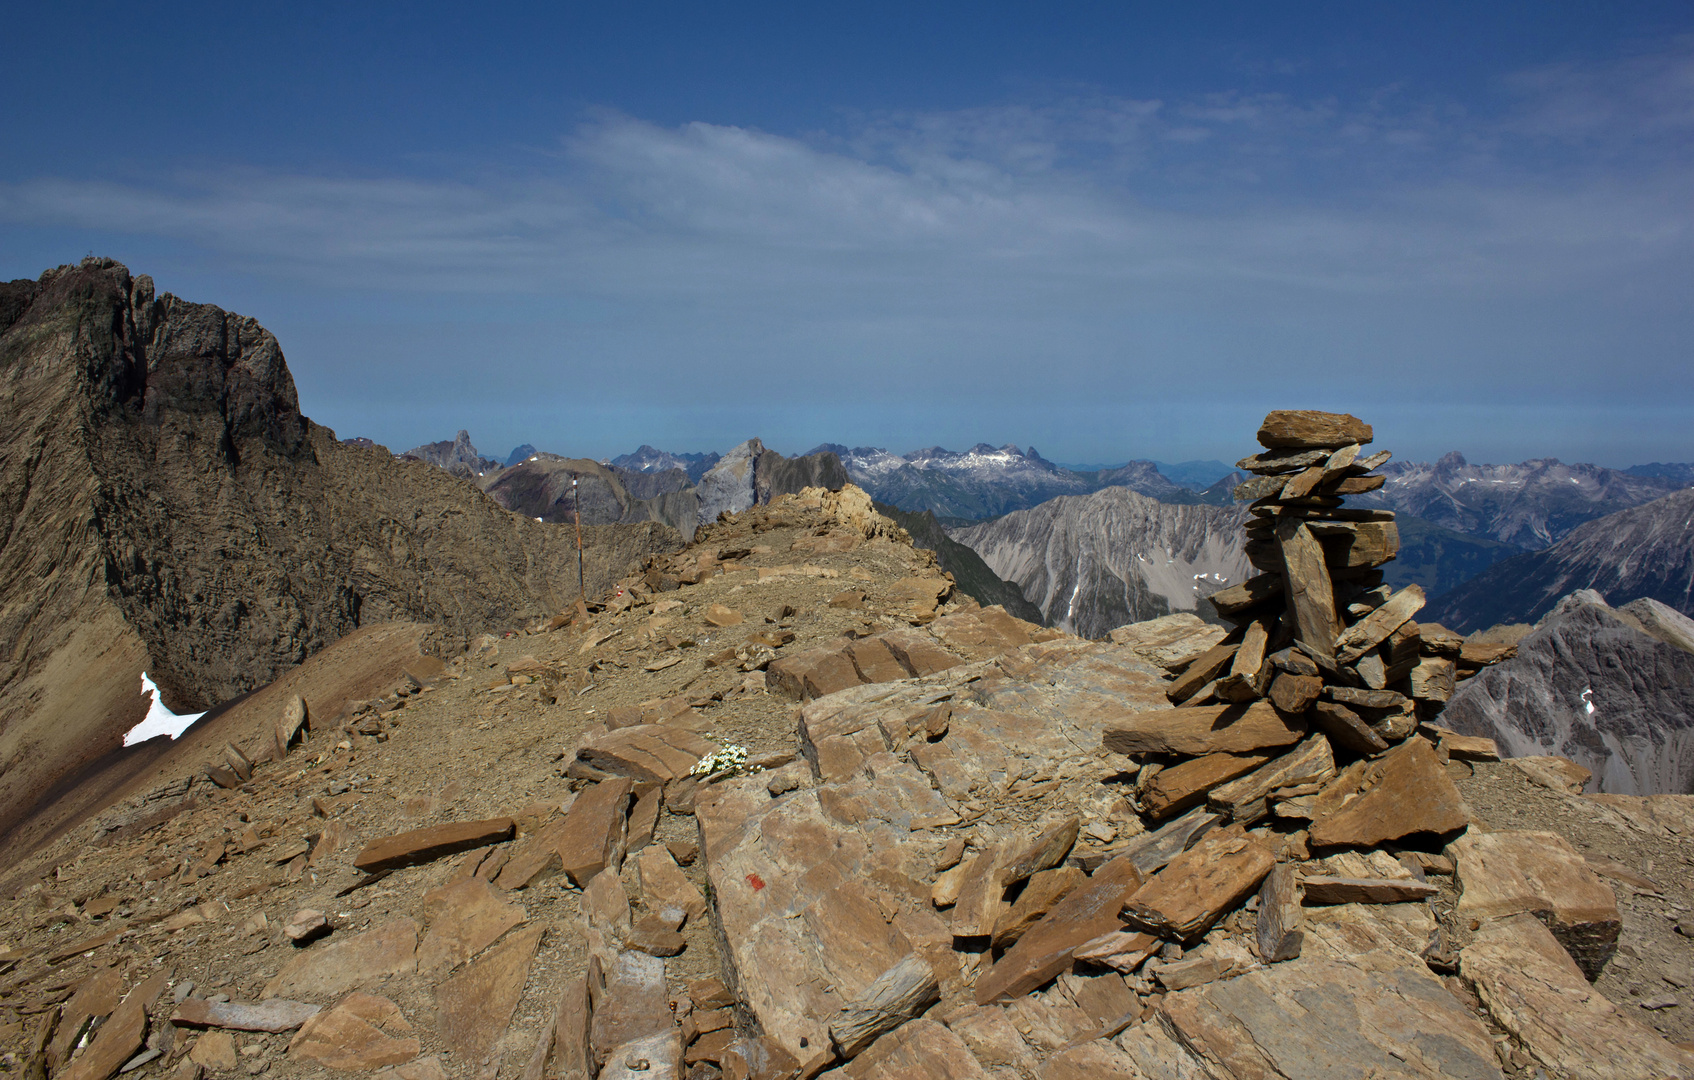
(986, 481)
(1531, 504)
(1097, 561)
(1645, 551)
(1456, 520)
(646, 460)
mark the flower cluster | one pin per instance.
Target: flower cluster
(733, 758)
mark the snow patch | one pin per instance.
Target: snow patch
(160, 720)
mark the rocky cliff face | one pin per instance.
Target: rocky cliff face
(1592, 684)
(1646, 551)
(541, 488)
(1531, 504)
(1094, 562)
(751, 475)
(165, 506)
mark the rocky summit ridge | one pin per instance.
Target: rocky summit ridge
(165, 507)
(782, 804)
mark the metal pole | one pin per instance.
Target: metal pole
(576, 509)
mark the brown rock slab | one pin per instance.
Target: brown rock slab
(655, 753)
(475, 1006)
(532, 857)
(1295, 693)
(898, 994)
(1246, 798)
(1170, 641)
(1553, 772)
(1046, 851)
(1182, 901)
(1373, 629)
(464, 918)
(812, 673)
(1179, 788)
(1204, 729)
(979, 904)
(1306, 429)
(1535, 991)
(1045, 949)
(1044, 889)
(98, 995)
(874, 662)
(657, 1055)
(120, 1036)
(722, 615)
(331, 969)
(592, 837)
(276, 1014)
(644, 817)
(629, 1005)
(1249, 594)
(918, 653)
(306, 926)
(426, 845)
(1278, 927)
(356, 1035)
(1346, 728)
(1120, 950)
(1404, 792)
(664, 885)
(1285, 1020)
(653, 936)
(1310, 592)
(1205, 668)
(1329, 889)
(1097, 1060)
(1539, 873)
(606, 906)
(920, 1050)
(215, 1050)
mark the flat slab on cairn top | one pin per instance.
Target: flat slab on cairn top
(1302, 429)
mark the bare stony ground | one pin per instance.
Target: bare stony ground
(933, 772)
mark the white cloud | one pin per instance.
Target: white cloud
(1243, 239)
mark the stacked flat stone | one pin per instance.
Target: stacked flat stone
(1318, 634)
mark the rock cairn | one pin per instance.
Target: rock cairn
(1318, 634)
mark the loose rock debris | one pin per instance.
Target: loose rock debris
(957, 845)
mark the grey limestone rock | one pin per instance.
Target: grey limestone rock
(1590, 685)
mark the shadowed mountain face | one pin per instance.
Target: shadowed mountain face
(1645, 551)
(1095, 562)
(164, 506)
(1530, 505)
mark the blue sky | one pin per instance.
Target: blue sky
(1109, 231)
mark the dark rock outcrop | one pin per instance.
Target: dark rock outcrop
(165, 506)
(1589, 683)
(1646, 551)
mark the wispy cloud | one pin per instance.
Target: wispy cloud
(1246, 238)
